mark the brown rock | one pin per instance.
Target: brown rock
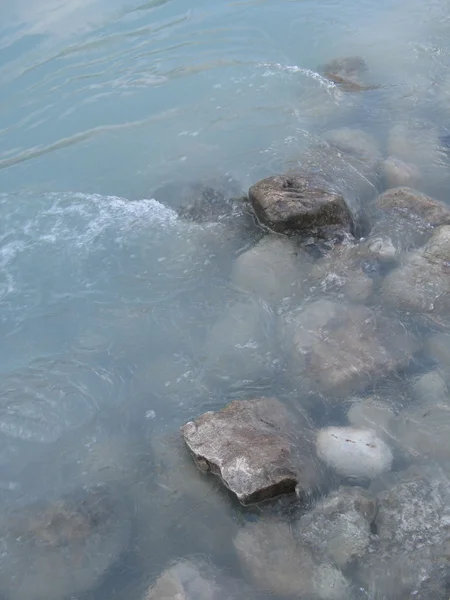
(337, 348)
(249, 446)
(289, 203)
(396, 173)
(406, 200)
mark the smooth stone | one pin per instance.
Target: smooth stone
(430, 387)
(276, 561)
(397, 173)
(422, 283)
(338, 526)
(300, 203)
(271, 270)
(55, 550)
(250, 445)
(354, 453)
(336, 348)
(189, 580)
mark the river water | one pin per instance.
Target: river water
(109, 111)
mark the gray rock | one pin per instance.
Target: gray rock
(397, 173)
(188, 580)
(372, 413)
(438, 347)
(338, 527)
(422, 283)
(276, 561)
(357, 144)
(54, 550)
(249, 446)
(300, 203)
(413, 535)
(338, 348)
(271, 270)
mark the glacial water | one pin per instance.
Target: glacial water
(111, 306)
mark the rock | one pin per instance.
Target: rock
(397, 173)
(275, 561)
(300, 203)
(59, 549)
(372, 413)
(422, 430)
(418, 143)
(337, 349)
(357, 144)
(413, 536)
(187, 580)
(347, 72)
(422, 283)
(249, 445)
(271, 270)
(407, 201)
(354, 453)
(338, 527)
(239, 346)
(438, 347)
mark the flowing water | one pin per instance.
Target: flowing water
(111, 306)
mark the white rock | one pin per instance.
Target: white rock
(356, 453)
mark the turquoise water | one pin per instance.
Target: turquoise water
(107, 110)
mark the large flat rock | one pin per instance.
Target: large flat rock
(290, 203)
(249, 444)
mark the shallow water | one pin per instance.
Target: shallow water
(113, 310)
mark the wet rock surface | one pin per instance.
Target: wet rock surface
(354, 453)
(410, 202)
(53, 550)
(339, 348)
(300, 203)
(422, 283)
(248, 444)
(274, 560)
(397, 173)
(339, 526)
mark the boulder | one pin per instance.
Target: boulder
(251, 446)
(338, 526)
(422, 283)
(271, 270)
(354, 453)
(274, 560)
(59, 549)
(188, 580)
(408, 217)
(300, 203)
(347, 72)
(411, 550)
(409, 202)
(397, 173)
(336, 348)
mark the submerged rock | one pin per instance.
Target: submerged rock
(59, 549)
(338, 527)
(372, 413)
(422, 283)
(411, 550)
(274, 560)
(354, 453)
(347, 72)
(300, 203)
(407, 201)
(271, 270)
(397, 173)
(339, 348)
(249, 444)
(188, 580)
